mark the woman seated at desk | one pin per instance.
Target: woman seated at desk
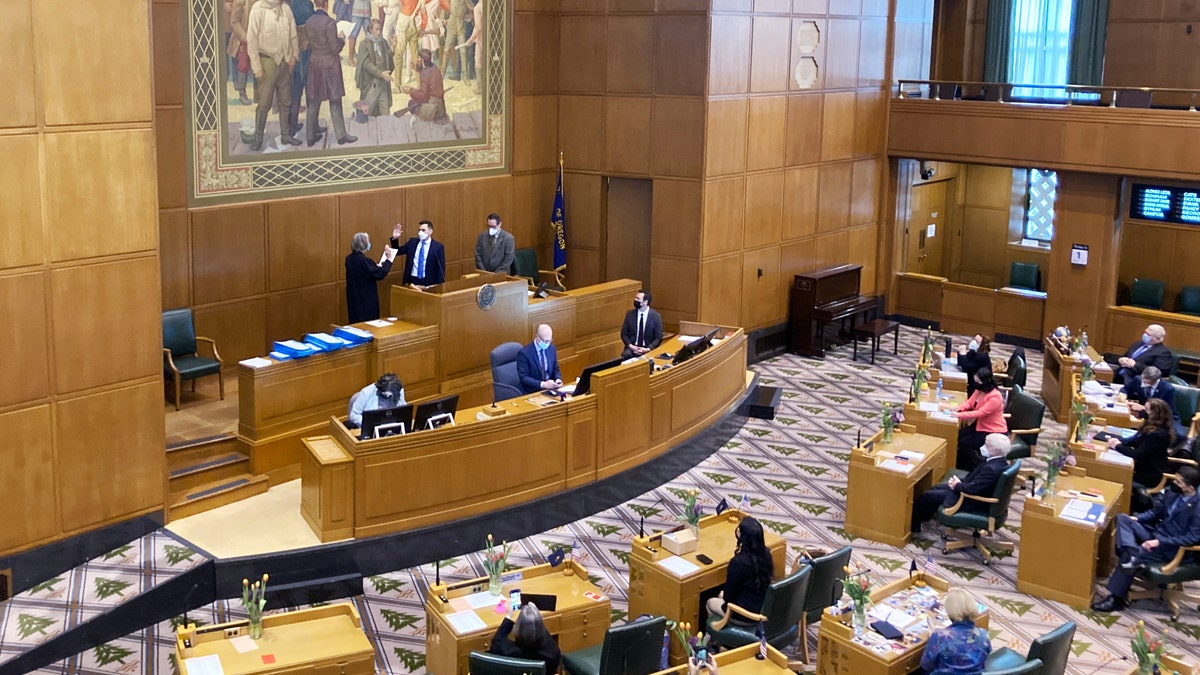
(960, 648)
(530, 639)
(1149, 449)
(750, 572)
(985, 409)
(973, 357)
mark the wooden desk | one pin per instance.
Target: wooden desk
(953, 378)
(1060, 558)
(879, 501)
(839, 653)
(1057, 369)
(928, 424)
(1088, 456)
(742, 661)
(631, 416)
(322, 639)
(577, 621)
(654, 590)
(1172, 664)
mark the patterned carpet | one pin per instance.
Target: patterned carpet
(793, 469)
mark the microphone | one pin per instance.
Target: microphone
(642, 527)
(437, 572)
(858, 443)
(186, 603)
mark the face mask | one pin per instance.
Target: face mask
(1145, 338)
(492, 231)
(972, 345)
(368, 247)
(983, 451)
(541, 346)
(422, 235)
(1175, 488)
(637, 304)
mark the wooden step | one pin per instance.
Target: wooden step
(181, 455)
(224, 467)
(212, 495)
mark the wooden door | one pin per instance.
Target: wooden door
(626, 230)
(926, 229)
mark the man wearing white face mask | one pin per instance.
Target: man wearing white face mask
(976, 355)
(981, 482)
(424, 258)
(537, 363)
(495, 248)
(1149, 351)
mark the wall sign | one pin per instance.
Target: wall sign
(1079, 254)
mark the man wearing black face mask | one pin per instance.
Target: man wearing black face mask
(642, 330)
(1154, 536)
(386, 392)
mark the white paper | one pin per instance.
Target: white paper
(567, 389)
(353, 330)
(243, 644)
(256, 362)
(910, 455)
(204, 665)
(689, 338)
(1096, 387)
(480, 600)
(930, 230)
(898, 467)
(944, 415)
(678, 566)
(927, 406)
(297, 345)
(1077, 509)
(379, 323)
(466, 622)
(901, 620)
(950, 375)
(1115, 457)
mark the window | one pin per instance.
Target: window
(1039, 206)
(1041, 46)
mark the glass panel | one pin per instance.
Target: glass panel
(1039, 211)
(1041, 45)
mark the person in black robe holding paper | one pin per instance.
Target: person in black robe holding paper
(362, 275)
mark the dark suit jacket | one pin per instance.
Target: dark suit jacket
(981, 482)
(529, 368)
(503, 646)
(652, 334)
(1164, 390)
(1157, 355)
(362, 293)
(1181, 528)
(1149, 453)
(435, 261)
(503, 252)
(970, 363)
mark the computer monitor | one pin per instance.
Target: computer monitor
(585, 378)
(435, 413)
(387, 418)
(695, 346)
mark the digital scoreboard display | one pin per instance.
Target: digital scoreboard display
(1165, 204)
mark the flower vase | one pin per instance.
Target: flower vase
(1051, 479)
(694, 528)
(887, 434)
(495, 586)
(859, 618)
(256, 627)
(1147, 668)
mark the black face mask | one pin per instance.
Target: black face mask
(637, 304)
(1175, 488)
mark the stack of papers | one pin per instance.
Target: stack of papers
(901, 620)
(926, 406)
(1083, 511)
(1116, 458)
(256, 362)
(465, 622)
(379, 323)
(897, 465)
(678, 566)
(910, 455)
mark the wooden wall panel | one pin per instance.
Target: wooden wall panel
(21, 228)
(684, 38)
(114, 196)
(107, 324)
(834, 200)
(290, 315)
(769, 54)
(762, 301)
(870, 122)
(479, 198)
(872, 53)
(724, 203)
(175, 259)
(864, 192)
(534, 36)
(841, 62)
(229, 249)
(676, 127)
(728, 58)
(721, 290)
(240, 328)
(584, 211)
(28, 452)
(171, 157)
(845, 7)
(764, 209)
(800, 199)
(302, 243)
(535, 145)
(863, 243)
(630, 66)
(442, 204)
(804, 129)
(95, 438)
(837, 126)
(582, 45)
(584, 269)
(23, 333)
(725, 138)
(677, 208)
(810, 6)
(679, 290)
(17, 77)
(581, 137)
(168, 56)
(1079, 296)
(530, 223)
(627, 135)
(833, 249)
(75, 95)
(766, 142)
(376, 212)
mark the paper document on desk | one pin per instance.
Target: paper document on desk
(899, 466)
(901, 620)
(204, 665)
(480, 600)
(943, 415)
(678, 566)
(1082, 511)
(567, 389)
(1115, 457)
(379, 323)
(911, 455)
(256, 362)
(927, 406)
(243, 643)
(1095, 388)
(465, 622)
(689, 338)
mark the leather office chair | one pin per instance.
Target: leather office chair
(1024, 423)
(1052, 649)
(783, 613)
(350, 407)
(180, 358)
(1132, 98)
(982, 525)
(1166, 580)
(1033, 667)
(525, 265)
(505, 382)
(1146, 293)
(482, 663)
(1189, 301)
(1016, 373)
(1187, 400)
(824, 589)
(1025, 275)
(633, 648)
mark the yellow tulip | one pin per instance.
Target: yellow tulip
(265, 577)
(846, 569)
(245, 582)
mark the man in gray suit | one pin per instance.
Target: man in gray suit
(494, 249)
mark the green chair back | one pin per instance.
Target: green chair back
(1033, 667)
(825, 584)
(525, 265)
(1053, 649)
(633, 648)
(1186, 401)
(1147, 293)
(1189, 301)
(1017, 370)
(1025, 275)
(783, 605)
(481, 663)
(1003, 492)
(1026, 412)
(179, 335)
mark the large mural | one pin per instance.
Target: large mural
(290, 97)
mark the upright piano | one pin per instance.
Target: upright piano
(824, 296)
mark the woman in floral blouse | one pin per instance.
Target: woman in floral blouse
(960, 648)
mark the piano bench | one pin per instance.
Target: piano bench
(874, 330)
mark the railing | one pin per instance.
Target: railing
(1068, 95)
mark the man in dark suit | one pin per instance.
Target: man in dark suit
(1150, 351)
(1151, 385)
(495, 248)
(424, 258)
(1154, 536)
(981, 482)
(537, 363)
(642, 330)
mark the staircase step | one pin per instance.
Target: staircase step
(186, 454)
(215, 494)
(224, 467)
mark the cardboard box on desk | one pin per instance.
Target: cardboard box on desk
(679, 542)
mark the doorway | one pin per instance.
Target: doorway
(926, 229)
(626, 230)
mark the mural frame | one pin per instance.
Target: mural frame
(216, 177)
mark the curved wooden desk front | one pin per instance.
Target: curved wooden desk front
(353, 488)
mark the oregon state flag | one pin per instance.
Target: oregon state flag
(558, 221)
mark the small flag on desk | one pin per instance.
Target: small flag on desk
(762, 642)
(744, 506)
(931, 566)
(721, 506)
(912, 568)
(556, 558)
(558, 221)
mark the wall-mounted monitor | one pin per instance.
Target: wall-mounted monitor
(1165, 203)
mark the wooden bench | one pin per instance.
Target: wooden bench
(874, 330)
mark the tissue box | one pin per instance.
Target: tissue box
(679, 542)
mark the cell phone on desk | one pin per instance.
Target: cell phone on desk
(704, 559)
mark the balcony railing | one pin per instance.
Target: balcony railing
(1050, 94)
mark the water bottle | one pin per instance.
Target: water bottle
(1083, 341)
(665, 659)
(939, 389)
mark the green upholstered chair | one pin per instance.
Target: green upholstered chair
(1033, 667)
(1016, 372)
(1189, 301)
(632, 648)
(982, 525)
(1166, 580)
(1025, 275)
(783, 611)
(824, 588)
(525, 265)
(1024, 423)
(1187, 400)
(181, 360)
(1052, 649)
(1146, 293)
(481, 663)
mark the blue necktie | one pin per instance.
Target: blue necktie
(421, 260)
(542, 357)
(1140, 350)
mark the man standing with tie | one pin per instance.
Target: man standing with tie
(1149, 352)
(537, 363)
(495, 248)
(642, 330)
(424, 258)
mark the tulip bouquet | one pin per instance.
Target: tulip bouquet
(254, 598)
(1083, 418)
(1057, 459)
(494, 561)
(1089, 370)
(857, 585)
(1148, 650)
(691, 510)
(892, 415)
(696, 645)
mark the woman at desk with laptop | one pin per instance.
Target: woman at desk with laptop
(985, 410)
